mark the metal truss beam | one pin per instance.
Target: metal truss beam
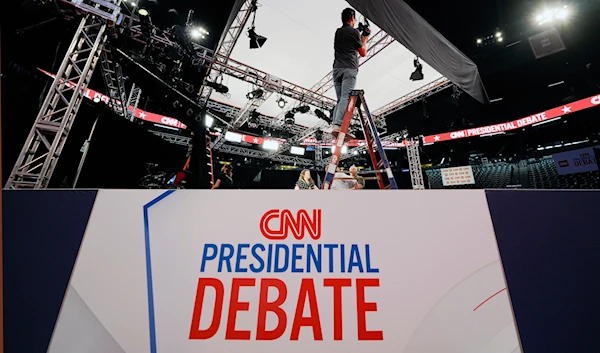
(265, 155)
(112, 74)
(134, 100)
(414, 163)
(43, 147)
(172, 138)
(109, 10)
(262, 79)
(223, 52)
(429, 89)
(393, 138)
(242, 117)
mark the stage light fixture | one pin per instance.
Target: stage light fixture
(271, 145)
(208, 120)
(256, 40)
(498, 34)
(418, 74)
(96, 100)
(254, 120)
(298, 151)
(257, 93)
(233, 137)
(143, 12)
(479, 41)
(289, 118)
(303, 109)
(281, 102)
(321, 115)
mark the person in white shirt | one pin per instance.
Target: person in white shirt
(343, 181)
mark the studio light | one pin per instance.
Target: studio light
(256, 40)
(549, 15)
(143, 12)
(281, 102)
(271, 145)
(479, 41)
(233, 137)
(418, 74)
(257, 93)
(208, 121)
(321, 115)
(299, 151)
(289, 118)
(303, 109)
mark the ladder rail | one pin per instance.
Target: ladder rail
(370, 149)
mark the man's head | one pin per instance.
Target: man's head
(353, 170)
(349, 16)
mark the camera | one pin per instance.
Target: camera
(364, 28)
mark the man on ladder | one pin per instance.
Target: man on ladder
(348, 44)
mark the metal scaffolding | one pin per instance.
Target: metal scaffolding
(134, 100)
(112, 74)
(172, 138)
(38, 158)
(414, 163)
(291, 160)
(225, 48)
(393, 138)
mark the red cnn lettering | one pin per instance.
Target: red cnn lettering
(195, 332)
(363, 307)
(275, 307)
(298, 225)
(337, 284)
(307, 291)
(234, 306)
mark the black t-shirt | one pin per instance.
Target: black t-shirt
(346, 44)
(226, 181)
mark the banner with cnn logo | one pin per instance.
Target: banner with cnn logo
(279, 271)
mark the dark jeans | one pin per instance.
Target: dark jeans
(344, 81)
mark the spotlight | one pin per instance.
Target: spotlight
(208, 121)
(303, 109)
(196, 33)
(418, 74)
(289, 118)
(321, 115)
(281, 102)
(257, 93)
(500, 39)
(478, 41)
(498, 34)
(133, 4)
(254, 120)
(256, 40)
(96, 100)
(143, 12)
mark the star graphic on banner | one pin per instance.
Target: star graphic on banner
(436, 138)
(142, 115)
(255, 140)
(566, 109)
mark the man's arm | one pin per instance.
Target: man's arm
(363, 49)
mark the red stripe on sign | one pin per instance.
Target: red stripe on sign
(488, 299)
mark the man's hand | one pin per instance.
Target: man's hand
(366, 32)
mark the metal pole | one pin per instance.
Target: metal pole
(86, 147)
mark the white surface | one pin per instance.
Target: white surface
(432, 273)
(299, 49)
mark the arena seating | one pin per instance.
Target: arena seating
(489, 176)
(542, 174)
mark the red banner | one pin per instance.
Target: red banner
(516, 124)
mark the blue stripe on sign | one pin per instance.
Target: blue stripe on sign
(152, 326)
(43, 230)
(549, 245)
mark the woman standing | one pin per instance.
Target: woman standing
(305, 182)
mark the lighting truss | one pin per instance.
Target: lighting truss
(112, 74)
(43, 147)
(172, 138)
(318, 155)
(246, 152)
(109, 10)
(351, 152)
(423, 92)
(133, 101)
(414, 163)
(242, 116)
(225, 48)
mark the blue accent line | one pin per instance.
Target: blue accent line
(149, 270)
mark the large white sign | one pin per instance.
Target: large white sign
(457, 176)
(278, 271)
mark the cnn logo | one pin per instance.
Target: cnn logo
(278, 224)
